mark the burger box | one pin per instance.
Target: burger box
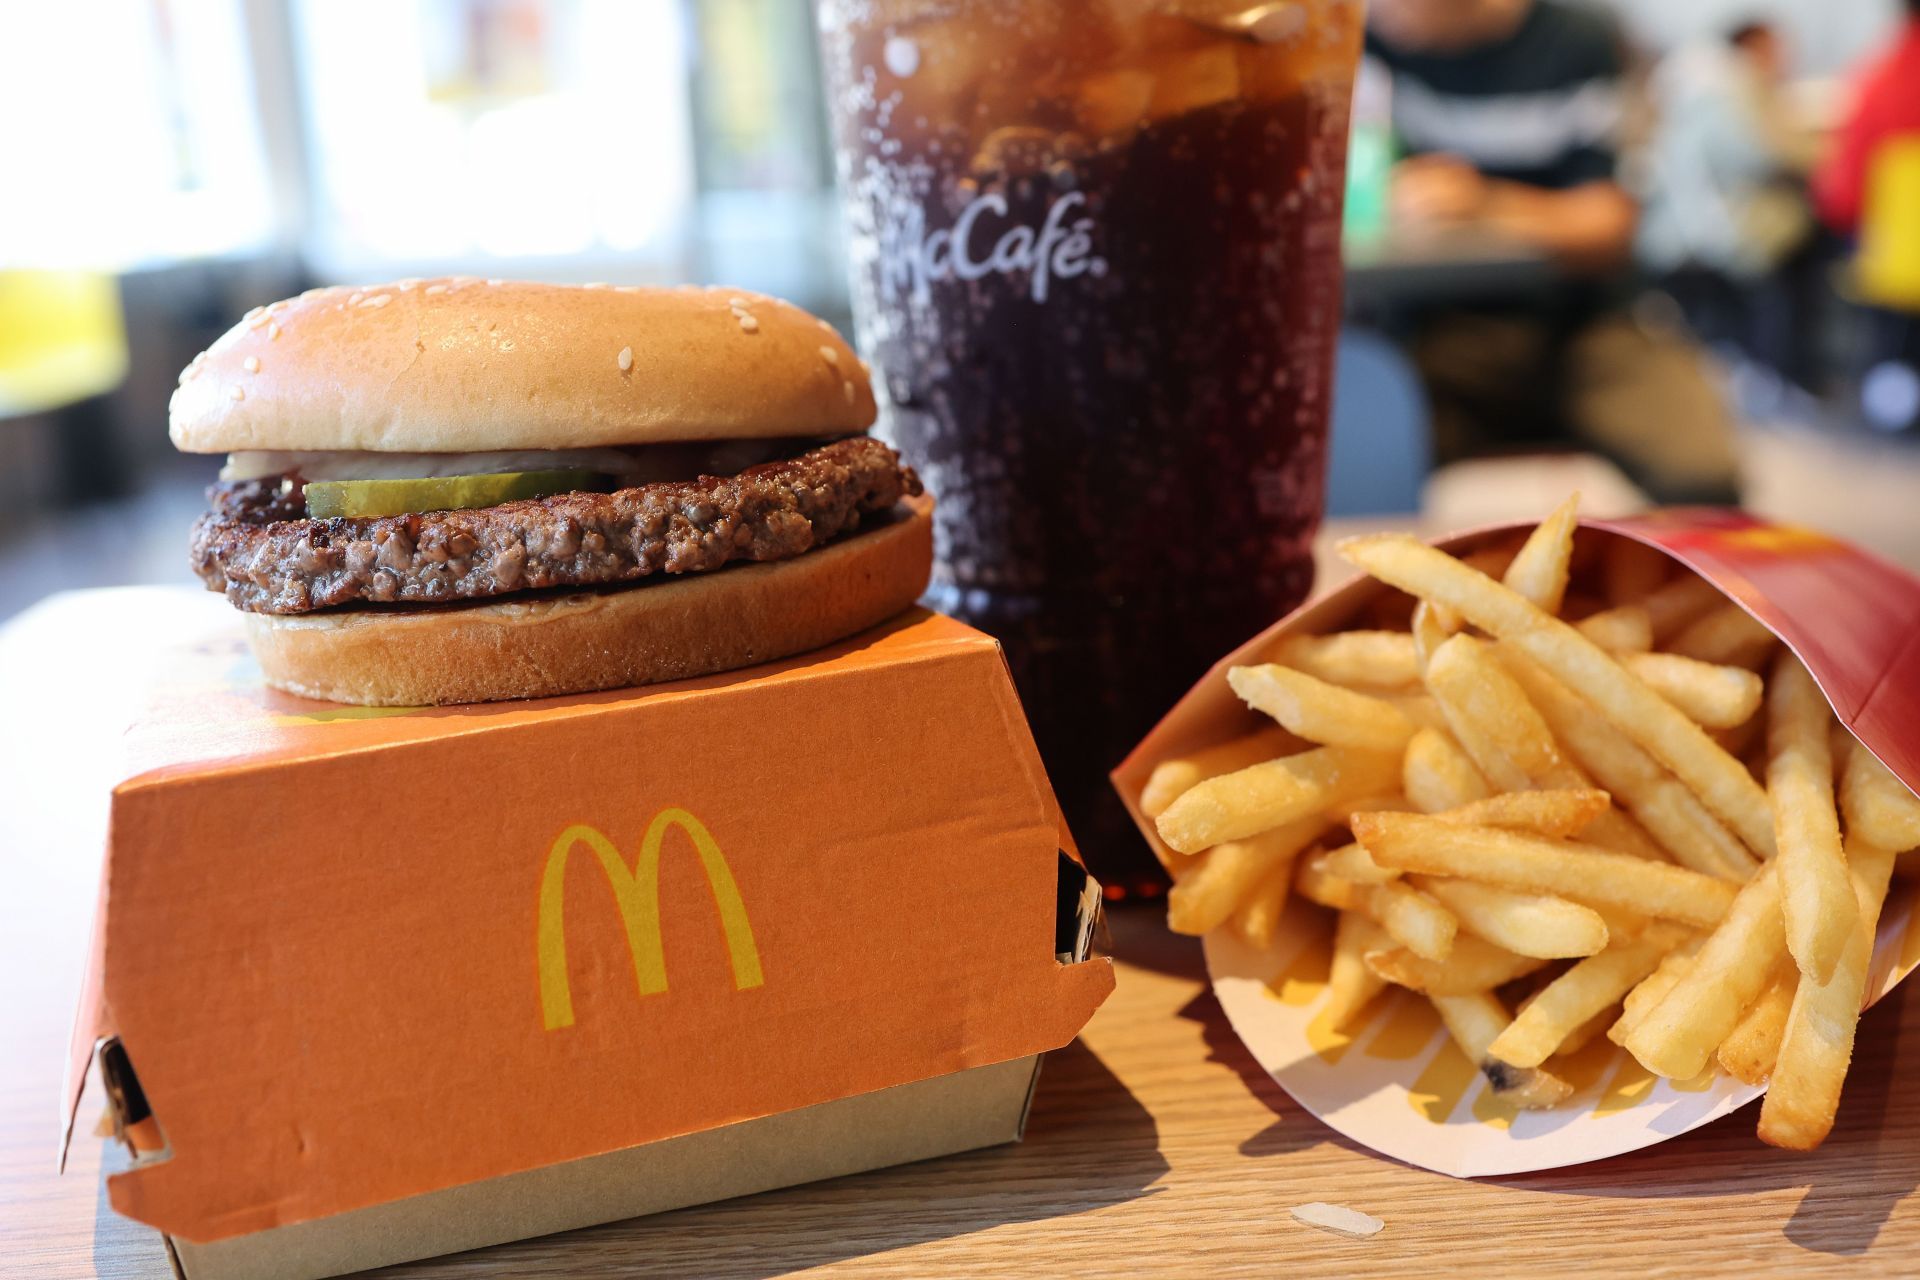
(1395, 1083)
(369, 985)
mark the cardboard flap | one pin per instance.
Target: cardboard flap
(92, 1026)
(1851, 617)
(354, 959)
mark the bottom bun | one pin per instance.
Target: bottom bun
(537, 647)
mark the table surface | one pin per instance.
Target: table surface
(1156, 1146)
(1465, 263)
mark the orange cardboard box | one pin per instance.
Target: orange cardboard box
(370, 985)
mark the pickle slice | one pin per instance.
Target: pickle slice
(326, 498)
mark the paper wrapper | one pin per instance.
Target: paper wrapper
(1394, 1081)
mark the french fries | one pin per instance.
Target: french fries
(1505, 735)
(1574, 998)
(1653, 989)
(1751, 1048)
(1814, 889)
(1206, 896)
(1173, 778)
(1413, 842)
(1528, 924)
(1691, 834)
(1351, 982)
(1258, 918)
(1625, 628)
(1559, 812)
(1734, 964)
(1478, 1021)
(1683, 746)
(1407, 916)
(1366, 659)
(1588, 788)
(1727, 634)
(1678, 604)
(1539, 570)
(1878, 806)
(1471, 967)
(1489, 714)
(1812, 1065)
(1261, 797)
(1320, 712)
(1714, 696)
(1414, 920)
(1437, 774)
(1547, 813)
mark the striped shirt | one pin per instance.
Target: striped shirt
(1541, 106)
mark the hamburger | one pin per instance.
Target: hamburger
(458, 490)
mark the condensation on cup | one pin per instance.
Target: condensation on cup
(1095, 258)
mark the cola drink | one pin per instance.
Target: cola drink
(1095, 271)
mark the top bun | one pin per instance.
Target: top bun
(468, 366)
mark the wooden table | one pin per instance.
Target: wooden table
(1157, 1146)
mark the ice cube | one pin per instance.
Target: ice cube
(1113, 102)
(1200, 78)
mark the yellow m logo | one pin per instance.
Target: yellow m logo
(637, 893)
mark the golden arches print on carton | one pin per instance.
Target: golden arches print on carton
(636, 893)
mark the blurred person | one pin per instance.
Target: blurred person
(1509, 111)
(1864, 188)
(1884, 104)
(1728, 228)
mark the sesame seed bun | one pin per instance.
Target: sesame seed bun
(467, 366)
(541, 646)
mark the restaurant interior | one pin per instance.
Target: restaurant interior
(192, 160)
(1667, 255)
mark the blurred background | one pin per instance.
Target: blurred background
(1710, 290)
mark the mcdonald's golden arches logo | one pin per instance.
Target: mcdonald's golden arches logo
(637, 894)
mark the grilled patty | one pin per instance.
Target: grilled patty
(257, 545)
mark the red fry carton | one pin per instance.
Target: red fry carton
(371, 985)
(1396, 1082)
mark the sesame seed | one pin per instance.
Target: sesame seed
(186, 374)
(354, 299)
(251, 364)
(410, 282)
(255, 312)
(594, 284)
(626, 288)
(624, 359)
(831, 356)
(864, 367)
(749, 325)
(436, 288)
(378, 300)
(273, 332)
(496, 280)
(238, 394)
(824, 326)
(846, 389)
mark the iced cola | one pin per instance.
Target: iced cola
(1095, 256)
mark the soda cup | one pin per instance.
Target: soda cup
(1095, 269)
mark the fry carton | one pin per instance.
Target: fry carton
(370, 984)
(1394, 1080)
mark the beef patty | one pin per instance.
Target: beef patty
(258, 546)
